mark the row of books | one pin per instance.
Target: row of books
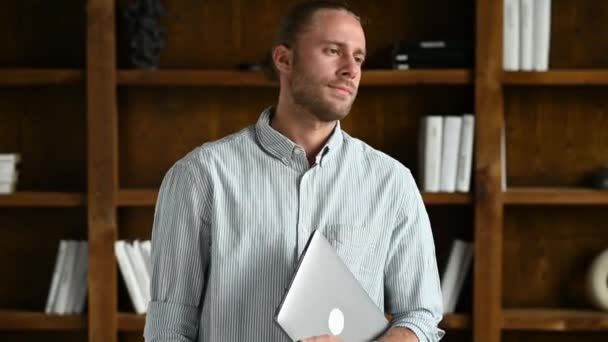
(8, 172)
(135, 267)
(456, 270)
(446, 153)
(68, 290)
(526, 35)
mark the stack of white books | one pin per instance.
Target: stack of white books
(8, 172)
(68, 291)
(454, 275)
(446, 153)
(135, 266)
(526, 34)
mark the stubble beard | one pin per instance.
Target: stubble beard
(307, 93)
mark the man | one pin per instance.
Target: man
(234, 215)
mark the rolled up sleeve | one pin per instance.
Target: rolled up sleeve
(180, 256)
(412, 287)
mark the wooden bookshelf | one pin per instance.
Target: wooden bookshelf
(27, 320)
(135, 322)
(554, 320)
(557, 78)
(97, 137)
(139, 197)
(447, 198)
(232, 78)
(555, 196)
(42, 199)
(147, 197)
(29, 77)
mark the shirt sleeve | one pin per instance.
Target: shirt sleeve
(180, 256)
(412, 287)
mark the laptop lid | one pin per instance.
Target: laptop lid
(325, 298)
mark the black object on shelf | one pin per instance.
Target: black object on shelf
(144, 35)
(436, 54)
(599, 178)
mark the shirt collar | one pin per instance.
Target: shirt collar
(282, 147)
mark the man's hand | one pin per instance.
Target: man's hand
(324, 338)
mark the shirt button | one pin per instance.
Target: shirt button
(297, 151)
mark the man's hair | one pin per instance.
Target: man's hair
(296, 21)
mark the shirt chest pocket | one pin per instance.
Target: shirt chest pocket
(351, 243)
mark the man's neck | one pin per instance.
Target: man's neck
(303, 128)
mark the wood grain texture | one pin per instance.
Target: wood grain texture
(34, 34)
(30, 320)
(172, 122)
(29, 77)
(37, 336)
(578, 34)
(547, 253)
(555, 196)
(42, 199)
(46, 125)
(102, 169)
(555, 136)
(488, 205)
(555, 320)
(216, 34)
(557, 77)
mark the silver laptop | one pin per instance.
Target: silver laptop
(325, 298)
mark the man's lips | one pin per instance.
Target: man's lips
(344, 88)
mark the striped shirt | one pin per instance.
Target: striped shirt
(233, 216)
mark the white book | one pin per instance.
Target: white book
(73, 281)
(146, 247)
(431, 144)
(81, 277)
(7, 187)
(449, 152)
(61, 305)
(510, 34)
(141, 274)
(7, 171)
(464, 268)
(128, 274)
(542, 34)
(450, 274)
(465, 155)
(10, 158)
(57, 271)
(526, 34)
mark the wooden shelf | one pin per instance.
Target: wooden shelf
(456, 321)
(131, 321)
(557, 77)
(554, 320)
(42, 199)
(135, 322)
(555, 196)
(447, 198)
(28, 77)
(136, 197)
(233, 78)
(26, 320)
(147, 197)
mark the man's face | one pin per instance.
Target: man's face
(327, 64)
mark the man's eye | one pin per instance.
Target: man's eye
(333, 51)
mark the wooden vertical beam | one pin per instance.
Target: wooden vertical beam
(102, 169)
(488, 192)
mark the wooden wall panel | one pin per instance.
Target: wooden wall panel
(41, 34)
(47, 126)
(555, 135)
(536, 336)
(547, 252)
(157, 126)
(222, 34)
(578, 34)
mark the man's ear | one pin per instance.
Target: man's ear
(283, 58)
